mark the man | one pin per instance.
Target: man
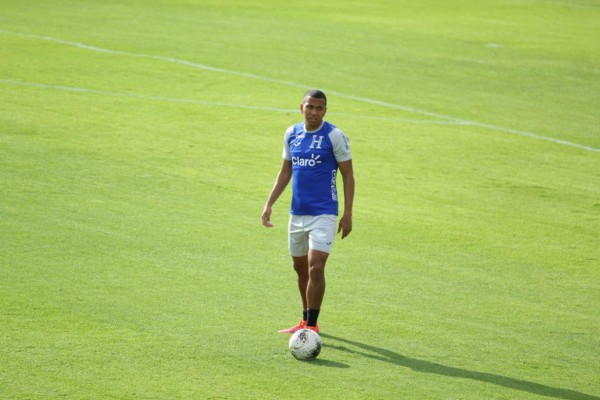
(313, 151)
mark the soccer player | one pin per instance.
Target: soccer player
(313, 151)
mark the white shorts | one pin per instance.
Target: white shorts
(310, 232)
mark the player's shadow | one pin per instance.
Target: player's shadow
(429, 367)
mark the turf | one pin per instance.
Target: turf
(138, 143)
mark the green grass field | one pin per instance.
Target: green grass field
(140, 139)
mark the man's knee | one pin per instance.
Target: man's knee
(317, 266)
(301, 265)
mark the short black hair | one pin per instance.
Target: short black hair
(317, 94)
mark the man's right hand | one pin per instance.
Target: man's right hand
(266, 217)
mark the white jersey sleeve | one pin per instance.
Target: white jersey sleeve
(286, 147)
(341, 145)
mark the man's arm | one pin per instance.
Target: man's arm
(345, 225)
(283, 178)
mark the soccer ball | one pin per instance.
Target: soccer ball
(305, 344)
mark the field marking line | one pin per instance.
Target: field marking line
(137, 96)
(294, 84)
(569, 4)
(207, 103)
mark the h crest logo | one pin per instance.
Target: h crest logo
(316, 140)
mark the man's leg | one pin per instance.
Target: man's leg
(310, 268)
(316, 278)
(301, 268)
(315, 290)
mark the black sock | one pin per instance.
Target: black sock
(313, 315)
(304, 315)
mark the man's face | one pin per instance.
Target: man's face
(313, 110)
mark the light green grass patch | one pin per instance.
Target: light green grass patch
(138, 143)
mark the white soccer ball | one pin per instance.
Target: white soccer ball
(305, 344)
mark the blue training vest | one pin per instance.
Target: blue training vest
(314, 170)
